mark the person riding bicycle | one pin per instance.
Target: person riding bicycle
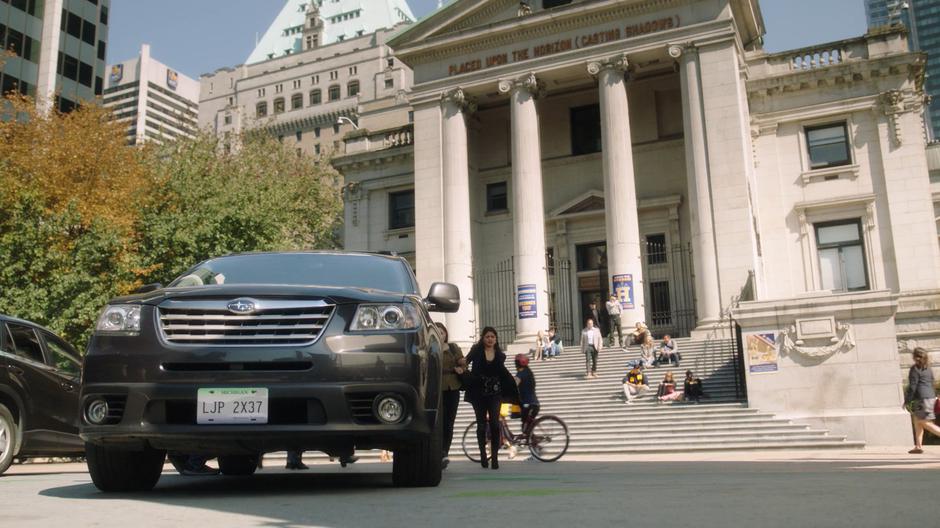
(525, 379)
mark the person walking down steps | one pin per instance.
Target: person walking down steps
(613, 313)
(591, 343)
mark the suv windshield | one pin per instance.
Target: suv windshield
(305, 269)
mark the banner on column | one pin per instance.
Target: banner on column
(623, 289)
(528, 305)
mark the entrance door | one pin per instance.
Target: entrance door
(592, 278)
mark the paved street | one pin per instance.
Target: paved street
(851, 489)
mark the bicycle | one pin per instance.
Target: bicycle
(546, 437)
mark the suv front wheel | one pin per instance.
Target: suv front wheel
(121, 470)
(419, 465)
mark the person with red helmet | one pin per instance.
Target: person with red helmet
(529, 402)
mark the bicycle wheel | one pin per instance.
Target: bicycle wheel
(548, 439)
(469, 443)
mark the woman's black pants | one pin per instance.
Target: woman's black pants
(486, 409)
(450, 400)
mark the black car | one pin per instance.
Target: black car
(252, 353)
(39, 382)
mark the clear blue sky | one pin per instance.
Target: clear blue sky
(199, 36)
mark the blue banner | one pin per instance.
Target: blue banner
(528, 303)
(623, 289)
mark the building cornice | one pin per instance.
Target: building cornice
(361, 160)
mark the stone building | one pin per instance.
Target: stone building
(306, 79)
(564, 150)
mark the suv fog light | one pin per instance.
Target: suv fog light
(97, 412)
(389, 409)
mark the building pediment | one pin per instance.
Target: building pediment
(471, 35)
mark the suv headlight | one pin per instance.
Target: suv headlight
(372, 317)
(122, 319)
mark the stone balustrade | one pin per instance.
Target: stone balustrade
(817, 59)
(399, 137)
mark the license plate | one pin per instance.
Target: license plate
(232, 406)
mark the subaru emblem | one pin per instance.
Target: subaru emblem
(241, 306)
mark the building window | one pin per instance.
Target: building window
(389, 83)
(592, 257)
(496, 198)
(315, 79)
(334, 93)
(278, 88)
(841, 253)
(99, 85)
(353, 70)
(261, 109)
(279, 105)
(352, 89)
(334, 75)
(104, 15)
(299, 135)
(316, 149)
(88, 32)
(336, 128)
(297, 84)
(102, 49)
(390, 62)
(316, 132)
(401, 209)
(656, 249)
(316, 97)
(585, 130)
(261, 92)
(660, 307)
(828, 145)
(296, 101)
(228, 119)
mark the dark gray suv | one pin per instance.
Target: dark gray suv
(253, 353)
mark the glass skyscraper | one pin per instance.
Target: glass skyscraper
(922, 17)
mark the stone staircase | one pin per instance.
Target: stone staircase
(601, 423)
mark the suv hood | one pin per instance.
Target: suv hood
(334, 295)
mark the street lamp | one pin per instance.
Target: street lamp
(343, 119)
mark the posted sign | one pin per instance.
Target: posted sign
(623, 289)
(528, 305)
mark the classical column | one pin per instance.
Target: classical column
(458, 255)
(528, 213)
(624, 264)
(704, 259)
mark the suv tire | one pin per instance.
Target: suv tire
(238, 465)
(420, 465)
(116, 470)
(8, 436)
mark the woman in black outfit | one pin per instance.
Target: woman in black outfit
(453, 366)
(490, 384)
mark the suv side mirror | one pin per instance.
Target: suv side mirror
(147, 288)
(443, 297)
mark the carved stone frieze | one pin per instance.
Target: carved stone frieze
(818, 345)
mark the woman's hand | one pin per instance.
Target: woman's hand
(458, 370)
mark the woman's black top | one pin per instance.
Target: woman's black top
(490, 378)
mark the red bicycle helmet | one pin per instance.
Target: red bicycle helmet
(522, 360)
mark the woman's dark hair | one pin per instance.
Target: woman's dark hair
(483, 333)
(688, 374)
(443, 329)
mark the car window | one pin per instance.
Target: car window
(6, 340)
(320, 269)
(25, 342)
(63, 356)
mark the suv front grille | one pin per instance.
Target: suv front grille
(273, 322)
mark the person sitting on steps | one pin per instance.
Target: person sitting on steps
(639, 333)
(634, 384)
(668, 351)
(553, 348)
(667, 389)
(692, 388)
